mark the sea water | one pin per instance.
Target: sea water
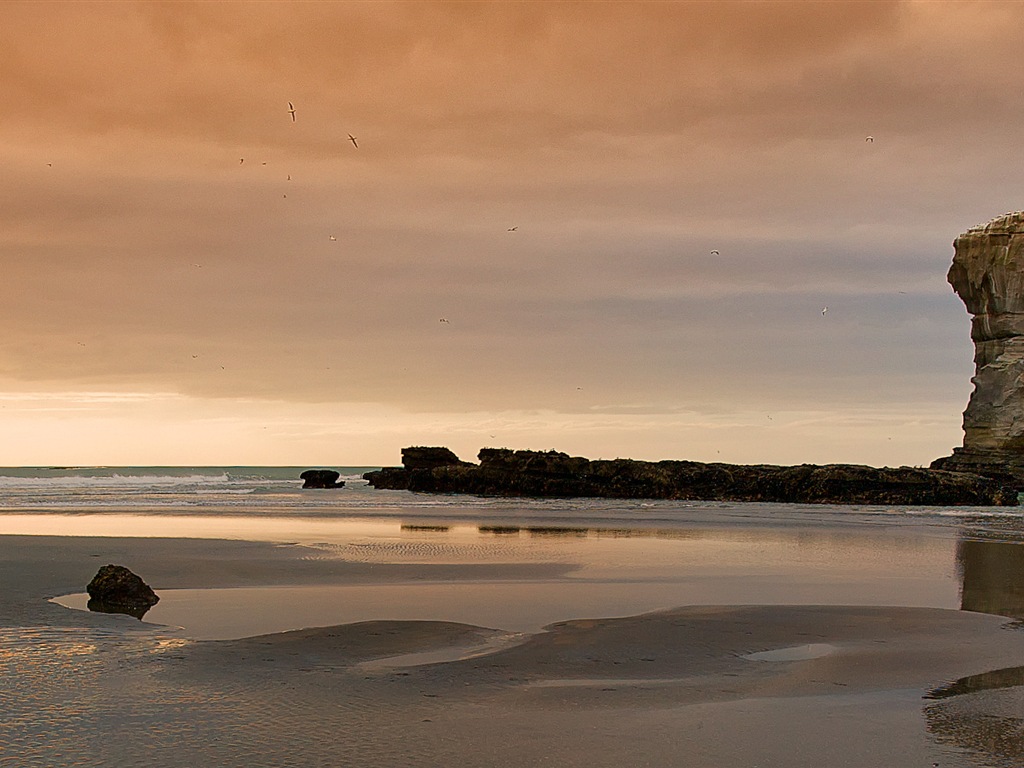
(619, 556)
(277, 491)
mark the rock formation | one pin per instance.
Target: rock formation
(988, 275)
(503, 472)
(418, 459)
(115, 589)
(321, 478)
(424, 457)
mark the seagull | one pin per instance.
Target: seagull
(332, 237)
(353, 140)
(291, 111)
(715, 253)
(870, 139)
(241, 160)
(512, 229)
(442, 320)
(823, 311)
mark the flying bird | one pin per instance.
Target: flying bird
(823, 311)
(442, 320)
(241, 160)
(291, 111)
(870, 139)
(353, 140)
(512, 229)
(715, 253)
(332, 237)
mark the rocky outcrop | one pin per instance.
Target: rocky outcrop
(321, 478)
(115, 589)
(418, 460)
(988, 275)
(428, 457)
(502, 472)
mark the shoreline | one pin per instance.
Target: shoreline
(668, 687)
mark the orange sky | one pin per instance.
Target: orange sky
(165, 303)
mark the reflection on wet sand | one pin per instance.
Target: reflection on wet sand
(981, 713)
(138, 611)
(992, 577)
(987, 726)
(581, 533)
(986, 681)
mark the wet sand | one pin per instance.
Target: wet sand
(740, 685)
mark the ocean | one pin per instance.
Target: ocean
(265, 491)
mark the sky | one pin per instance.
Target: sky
(604, 228)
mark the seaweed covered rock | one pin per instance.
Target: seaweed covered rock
(417, 461)
(503, 472)
(428, 457)
(115, 589)
(321, 478)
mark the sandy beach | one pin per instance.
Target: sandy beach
(731, 686)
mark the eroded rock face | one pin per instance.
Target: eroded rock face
(115, 589)
(988, 275)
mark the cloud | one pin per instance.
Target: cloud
(165, 226)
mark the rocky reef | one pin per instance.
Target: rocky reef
(988, 275)
(321, 478)
(503, 472)
(115, 589)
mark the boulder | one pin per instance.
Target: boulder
(321, 478)
(115, 589)
(988, 275)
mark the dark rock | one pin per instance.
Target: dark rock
(321, 478)
(417, 460)
(424, 457)
(503, 472)
(115, 589)
(391, 478)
